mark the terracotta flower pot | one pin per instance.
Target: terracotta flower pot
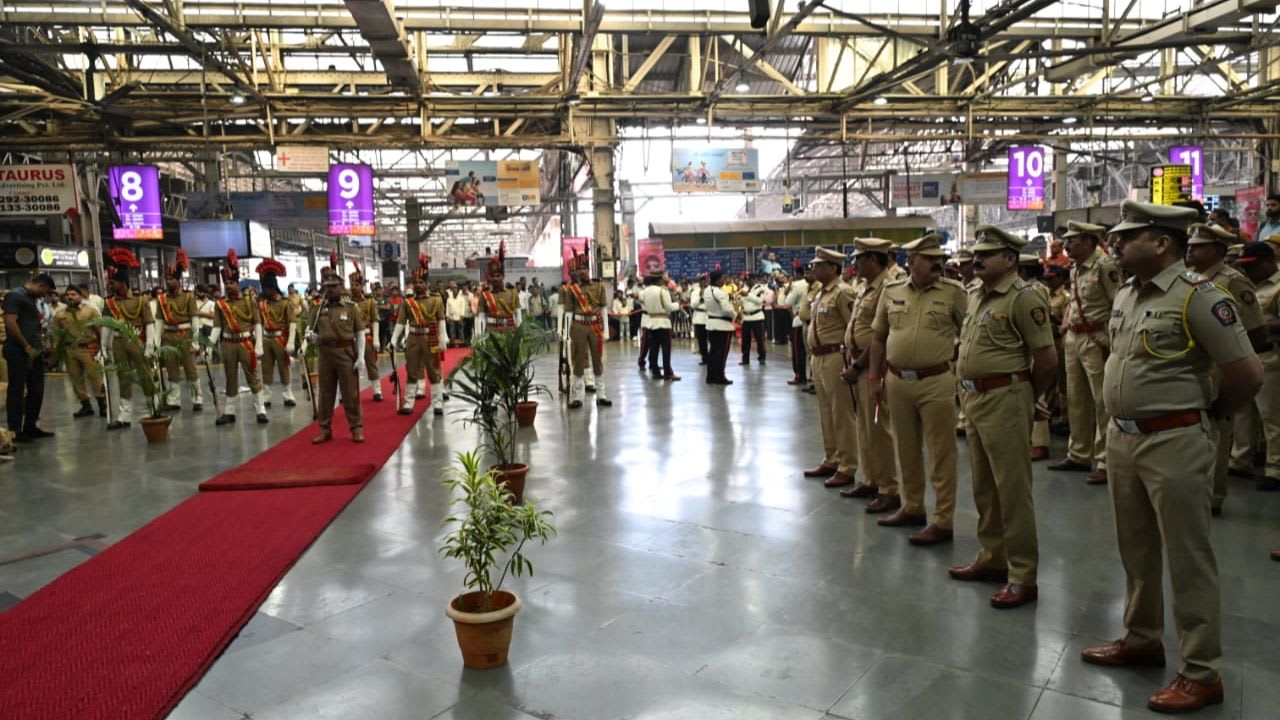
(526, 412)
(513, 477)
(156, 429)
(484, 637)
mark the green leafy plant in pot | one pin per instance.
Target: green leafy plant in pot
(487, 525)
(145, 374)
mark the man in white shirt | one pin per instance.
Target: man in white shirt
(720, 316)
(656, 301)
(752, 300)
(794, 301)
(698, 304)
(455, 312)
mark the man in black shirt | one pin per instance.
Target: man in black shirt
(24, 351)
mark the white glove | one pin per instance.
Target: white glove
(444, 337)
(257, 341)
(310, 338)
(215, 336)
(360, 345)
(397, 338)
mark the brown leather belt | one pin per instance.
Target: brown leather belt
(819, 350)
(920, 374)
(994, 382)
(1087, 327)
(1159, 423)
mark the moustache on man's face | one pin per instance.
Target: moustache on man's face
(979, 266)
(937, 268)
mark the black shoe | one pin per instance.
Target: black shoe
(745, 362)
(294, 403)
(86, 410)
(102, 407)
(404, 411)
(574, 405)
(1268, 484)
(446, 397)
(591, 388)
(761, 361)
(376, 398)
(23, 438)
(604, 402)
(266, 403)
(719, 381)
(437, 411)
(197, 408)
(263, 419)
(37, 433)
(171, 408)
(117, 425)
(225, 420)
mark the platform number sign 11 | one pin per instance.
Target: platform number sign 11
(1192, 155)
(135, 195)
(351, 200)
(1026, 177)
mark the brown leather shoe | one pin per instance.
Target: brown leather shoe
(861, 490)
(960, 431)
(1096, 477)
(903, 519)
(1039, 453)
(1275, 555)
(973, 572)
(1012, 596)
(1068, 465)
(1184, 695)
(324, 437)
(820, 471)
(883, 504)
(1119, 654)
(357, 436)
(931, 535)
(838, 480)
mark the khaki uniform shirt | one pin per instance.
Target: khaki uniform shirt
(337, 322)
(73, 328)
(832, 310)
(431, 309)
(806, 307)
(176, 309)
(1150, 370)
(1058, 303)
(1240, 288)
(244, 311)
(368, 308)
(1269, 302)
(1093, 288)
(920, 325)
(1001, 329)
(592, 292)
(278, 315)
(859, 335)
(132, 309)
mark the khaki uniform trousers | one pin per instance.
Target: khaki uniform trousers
(998, 426)
(1085, 412)
(186, 362)
(875, 442)
(924, 416)
(1268, 402)
(126, 354)
(1245, 429)
(418, 355)
(234, 356)
(338, 375)
(584, 344)
(82, 364)
(275, 360)
(835, 408)
(371, 360)
(1160, 491)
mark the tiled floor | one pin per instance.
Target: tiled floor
(696, 575)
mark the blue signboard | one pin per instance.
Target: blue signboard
(691, 263)
(788, 255)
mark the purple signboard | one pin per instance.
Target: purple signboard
(1192, 155)
(135, 194)
(1026, 178)
(350, 200)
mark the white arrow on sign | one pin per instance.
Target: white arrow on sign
(133, 207)
(350, 204)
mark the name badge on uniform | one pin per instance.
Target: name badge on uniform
(342, 316)
(899, 302)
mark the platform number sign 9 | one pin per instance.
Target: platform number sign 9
(351, 200)
(1026, 177)
(135, 194)
(1192, 155)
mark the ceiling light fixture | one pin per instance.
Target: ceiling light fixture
(742, 87)
(702, 121)
(881, 100)
(1070, 120)
(1147, 97)
(237, 99)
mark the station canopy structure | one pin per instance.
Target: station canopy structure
(858, 87)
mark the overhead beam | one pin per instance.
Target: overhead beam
(649, 62)
(385, 34)
(771, 42)
(752, 56)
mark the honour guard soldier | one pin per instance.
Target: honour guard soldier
(1095, 279)
(1169, 328)
(279, 329)
(499, 305)
(422, 335)
(72, 330)
(1006, 360)
(369, 308)
(1206, 250)
(832, 311)
(337, 330)
(584, 301)
(752, 300)
(239, 329)
(135, 311)
(177, 308)
(1258, 262)
(918, 318)
(719, 327)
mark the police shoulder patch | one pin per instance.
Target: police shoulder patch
(1114, 275)
(1225, 314)
(1038, 316)
(1248, 298)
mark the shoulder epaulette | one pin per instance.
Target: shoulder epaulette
(891, 282)
(1194, 277)
(948, 281)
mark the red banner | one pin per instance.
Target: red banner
(650, 256)
(569, 245)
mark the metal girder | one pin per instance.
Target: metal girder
(643, 71)
(805, 10)
(347, 78)
(386, 37)
(753, 58)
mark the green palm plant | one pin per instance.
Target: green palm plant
(146, 375)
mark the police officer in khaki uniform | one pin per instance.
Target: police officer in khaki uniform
(1006, 361)
(583, 301)
(964, 266)
(917, 321)
(1258, 262)
(812, 289)
(832, 310)
(338, 330)
(421, 332)
(239, 328)
(175, 309)
(73, 332)
(1095, 279)
(368, 308)
(279, 329)
(1031, 270)
(875, 442)
(1169, 327)
(1206, 250)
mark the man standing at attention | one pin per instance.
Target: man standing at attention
(499, 307)
(698, 304)
(239, 329)
(752, 300)
(423, 336)
(584, 301)
(797, 300)
(1006, 361)
(176, 310)
(338, 332)
(720, 315)
(832, 311)
(369, 309)
(71, 329)
(656, 301)
(279, 329)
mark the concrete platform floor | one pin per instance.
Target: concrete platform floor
(697, 574)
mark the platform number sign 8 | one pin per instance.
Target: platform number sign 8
(135, 194)
(1192, 155)
(131, 186)
(1026, 177)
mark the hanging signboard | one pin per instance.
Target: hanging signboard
(1026, 178)
(312, 159)
(63, 258)
(708, 170)
(37, 189)
(489, 183)
(1192, 155)
(135, 194)
(1249, 202)
(985, 188)
(691, 263)
(1170, 184)
(926, 190)
(351, 200)
(650, 256)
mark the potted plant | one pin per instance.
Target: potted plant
(146, 375)
(485, 526)
(535, 340)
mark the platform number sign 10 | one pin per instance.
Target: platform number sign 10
(1192, 155)
(351, 200)
(1026, 177)
(135, 194)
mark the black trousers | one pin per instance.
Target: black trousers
(660, 339)
(26, 388)
(635, 325)
(753, 329)
(615, 328)
(468, 328)
(700, 332)
(644, 348)
(718, 348)
(781, 326)
(799, 362)
(768, 323)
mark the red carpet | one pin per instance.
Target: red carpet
(246, 478)
(126, 634)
